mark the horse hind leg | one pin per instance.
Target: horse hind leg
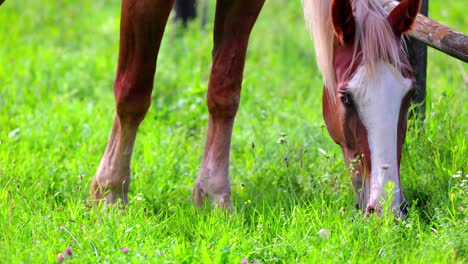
(141, 30)
(233, 23)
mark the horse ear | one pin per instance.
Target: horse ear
(343, 21)
(402, 17)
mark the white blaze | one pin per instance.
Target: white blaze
(378, 96)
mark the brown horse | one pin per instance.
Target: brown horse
(368, 85)
(367, 80)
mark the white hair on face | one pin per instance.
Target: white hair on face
(374, 36)
(378, 103)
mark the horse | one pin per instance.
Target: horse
(367, 83)
(185, 10)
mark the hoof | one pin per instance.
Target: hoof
(96, 193)
(222, 200)
(104, 194)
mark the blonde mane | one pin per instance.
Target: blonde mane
(373, 34)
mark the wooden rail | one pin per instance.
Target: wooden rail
(436, 35)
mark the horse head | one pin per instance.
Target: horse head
(366, 109)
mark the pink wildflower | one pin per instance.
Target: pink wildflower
(60, 257)
(124, 250)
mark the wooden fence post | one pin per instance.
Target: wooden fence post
(417, 55)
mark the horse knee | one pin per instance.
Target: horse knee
(223, 104)
(133, 99)
(226, 79)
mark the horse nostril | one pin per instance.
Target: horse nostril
(371, 209)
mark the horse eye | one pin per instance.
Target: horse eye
(346, 99)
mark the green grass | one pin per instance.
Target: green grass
(57, 63)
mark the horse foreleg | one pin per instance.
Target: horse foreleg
(141, 30)
(233, 23)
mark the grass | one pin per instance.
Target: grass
(56, 108)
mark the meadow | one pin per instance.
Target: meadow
(294, 201)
